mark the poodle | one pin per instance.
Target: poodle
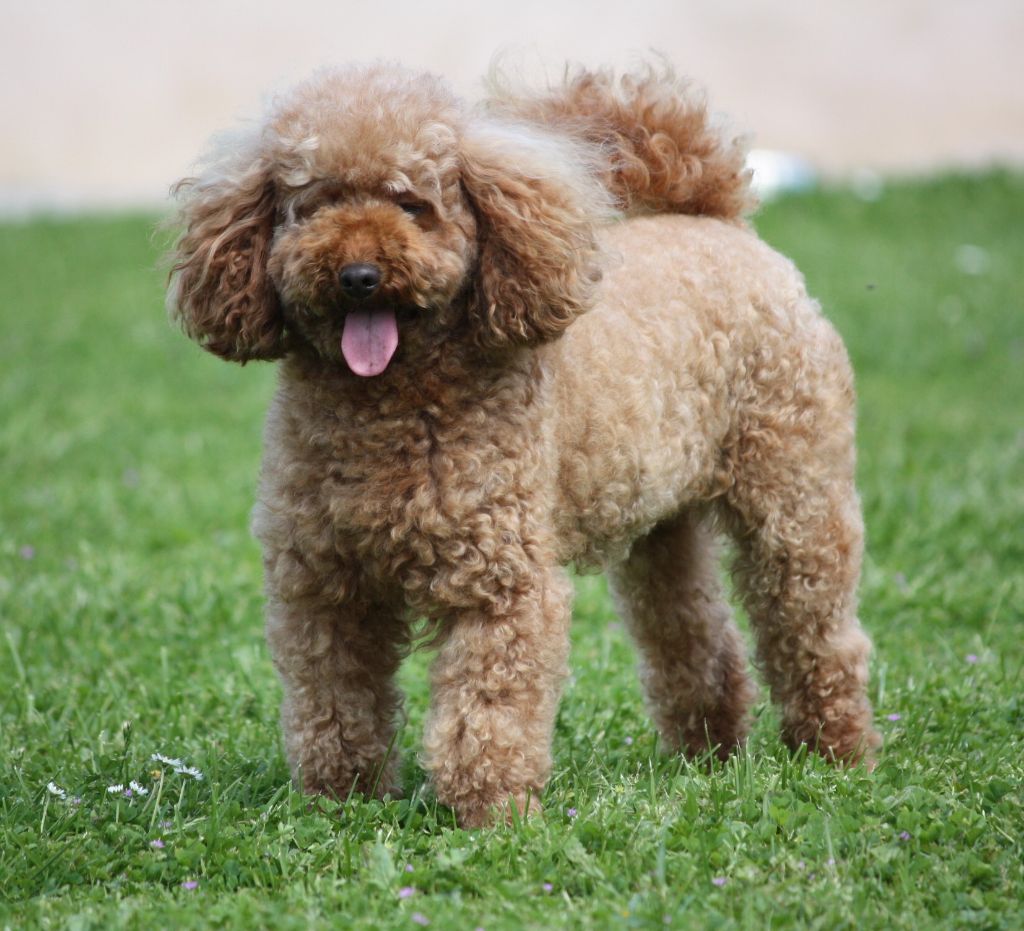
(513, 337)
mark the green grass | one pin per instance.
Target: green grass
(130, 608)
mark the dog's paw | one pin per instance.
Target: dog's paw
(482, 813)
(848, 741)
(342, 785)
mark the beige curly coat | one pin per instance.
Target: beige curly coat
(567, 386)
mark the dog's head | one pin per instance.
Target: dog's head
(371, 213)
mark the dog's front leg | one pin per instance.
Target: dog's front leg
(496, 684)
(337, 665)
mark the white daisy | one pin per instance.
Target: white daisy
(189, 771)
(55, 789)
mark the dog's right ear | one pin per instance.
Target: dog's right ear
(220, 290)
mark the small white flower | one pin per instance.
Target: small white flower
(189, 771)
(137, 789)
(55, 789)
(115, 789)
(169, 761)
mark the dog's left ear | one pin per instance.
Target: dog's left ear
(536, 200)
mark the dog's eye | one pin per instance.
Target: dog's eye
(414, 208)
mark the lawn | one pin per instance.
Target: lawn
(130, 606)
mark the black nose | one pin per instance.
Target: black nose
(359, 280)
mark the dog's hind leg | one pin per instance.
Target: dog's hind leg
(797, 523)
(692, 660)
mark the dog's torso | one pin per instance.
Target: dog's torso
(569, 455)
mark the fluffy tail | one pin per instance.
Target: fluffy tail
(663, 153)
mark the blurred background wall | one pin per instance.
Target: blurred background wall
(104, 104)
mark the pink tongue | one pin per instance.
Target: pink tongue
(369, 340)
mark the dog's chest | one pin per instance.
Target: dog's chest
(422, 501)
(408, 478)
